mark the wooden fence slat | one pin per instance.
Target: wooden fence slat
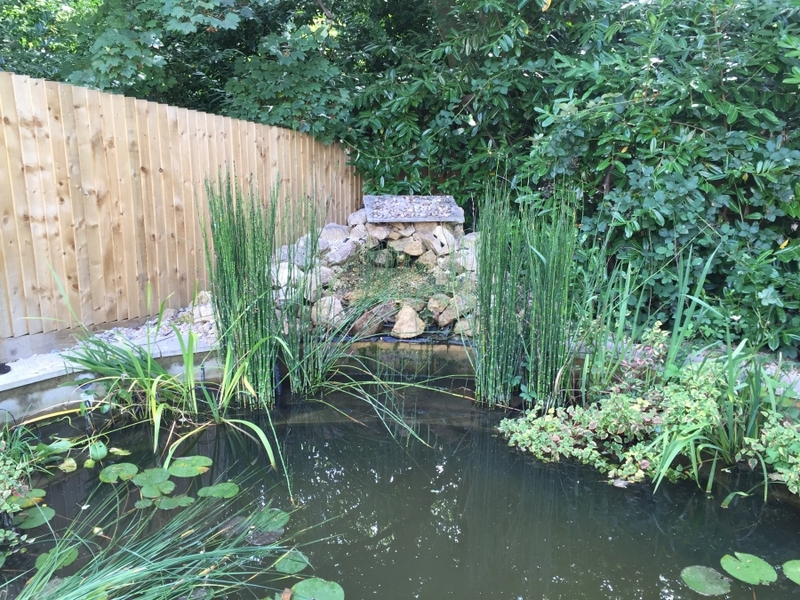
(13, 297)
(109, 193)
(187, 169)
(174, 206)
(159, 277)
(49, 263)
(81, 282)
(126, 253)
(103, 252)
(114, 265)
(28, 206)
(145, 113)
(67, 268)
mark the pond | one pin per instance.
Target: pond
(466, 517)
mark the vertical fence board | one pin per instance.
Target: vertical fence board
(145, 113)
(200, 145)
(82, 282)
(114, 264)
(126, 253)
(155, 203)
(14, 312)
(106, 302)
(67, 269)
(25, 179)
(110, 193)
(48, 239)
(187, 169)
(176, 217)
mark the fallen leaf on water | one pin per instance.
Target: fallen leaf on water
(287, 594)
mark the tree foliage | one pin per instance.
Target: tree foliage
(677, 118)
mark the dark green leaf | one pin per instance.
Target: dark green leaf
(749, 568)
(705, 581)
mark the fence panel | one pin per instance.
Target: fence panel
(103, 197)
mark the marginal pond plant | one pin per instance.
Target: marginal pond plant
(166, 545)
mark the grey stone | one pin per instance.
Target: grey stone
(326, 275)
(334, 233)
(312, 286)
(446, 238)
(428, 259)
(463, 327)
(469, 241)
(399, 245)
(327, 312)
(379, 232)
(415, 303)
(202, 313)
(371, 322)
(285, 274)
(447, 316)
(425, 227)
(464, 260)
(414, 247)
(408, 324)
(404, 229)
(371, 242)
(357, 218)
(465, 302)
(340, 255)
(437, 303)
(358, 233)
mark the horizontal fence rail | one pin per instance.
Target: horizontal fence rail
(102, 201)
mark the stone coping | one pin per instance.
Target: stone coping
(413, 209)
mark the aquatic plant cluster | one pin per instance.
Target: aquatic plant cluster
(622, 394)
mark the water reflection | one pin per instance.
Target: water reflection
(466, 517)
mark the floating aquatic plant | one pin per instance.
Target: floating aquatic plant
(705, 580)
(749, 568)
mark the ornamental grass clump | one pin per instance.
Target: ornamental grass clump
(497, 336)
(550, 242)
(241, 253)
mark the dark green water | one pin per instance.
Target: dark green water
(466, 517)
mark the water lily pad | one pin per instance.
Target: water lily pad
(64, 558)
(35, 517)
(227, 489)
(792, 570)
(317, 589)
(143, 503)
(292, 562)
(97, 450)
(162, 488)
(88, 464)
(168, 503)
(270, 519)
(265, 538)
(190, 466)
(120, 471)
(30, 498)
(749, 568)
(151, 477)
(705, 581)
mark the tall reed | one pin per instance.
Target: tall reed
(241, 254)
(550, 240)
(497, 336)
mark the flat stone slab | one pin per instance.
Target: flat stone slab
(412, 209)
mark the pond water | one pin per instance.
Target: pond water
(467, 517)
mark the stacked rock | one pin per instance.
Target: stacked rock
(310, 266)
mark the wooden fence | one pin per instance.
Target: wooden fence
(105, 194)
